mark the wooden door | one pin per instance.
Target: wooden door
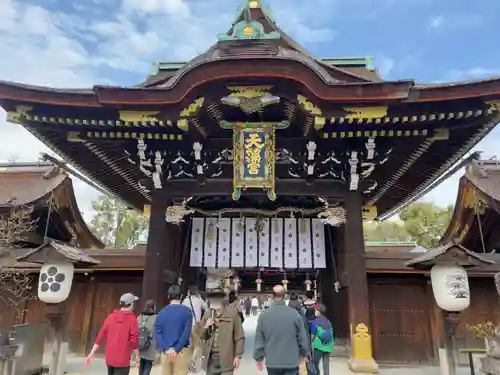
(400, 320)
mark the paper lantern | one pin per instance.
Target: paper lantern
(450, 286)
(55, 280)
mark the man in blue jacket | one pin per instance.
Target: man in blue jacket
(173, 329)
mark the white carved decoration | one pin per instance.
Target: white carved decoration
(450, 286)
(197, 147)
(55, 281)
(370, 148)
(311, 152)
(144, 162)
(175, 214)
(353, 162)
(157, 174)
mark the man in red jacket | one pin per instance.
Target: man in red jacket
(121, 331)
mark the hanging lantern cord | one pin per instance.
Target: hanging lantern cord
(184, 252)
(479, 222)
(336, 284)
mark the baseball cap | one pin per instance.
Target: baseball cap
(128, 299)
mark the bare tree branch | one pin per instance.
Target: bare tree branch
(15, 287)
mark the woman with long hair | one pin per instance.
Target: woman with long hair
(147, 342)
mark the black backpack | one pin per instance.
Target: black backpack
(145, 336)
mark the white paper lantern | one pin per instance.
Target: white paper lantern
(55, 280)
(450, 286)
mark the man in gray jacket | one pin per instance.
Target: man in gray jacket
(280, 338)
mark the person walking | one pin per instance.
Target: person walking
(254, 305)
(294, 302)
(121, 332)
(223, 336)
(280, 338)
(322, 340)
(147, 341)
(173, 329)
(248, 305)
(197, 306)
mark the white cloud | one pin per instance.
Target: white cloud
(384, 65)
(435, 22)
(454, 21)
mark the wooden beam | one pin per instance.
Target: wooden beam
(183, 188)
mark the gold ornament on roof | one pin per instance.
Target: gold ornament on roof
(250, 99)
(333, 216)
(175, 214)
(249, 91)
(365, 112)
(15, 117)
(253, 4)
(192, 108)
(309, 107)
(139, 116)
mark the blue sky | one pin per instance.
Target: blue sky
(67, 43)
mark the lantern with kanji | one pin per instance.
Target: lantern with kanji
(285, 284)
(259, 282)
(308, 285)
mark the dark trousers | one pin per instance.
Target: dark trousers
(323, 357)
(118, 370)
(254, 310)
(145, 366)
(283, 371)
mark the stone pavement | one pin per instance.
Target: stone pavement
(338, 366)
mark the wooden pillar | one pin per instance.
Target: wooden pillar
(156, 255)
(361, 360)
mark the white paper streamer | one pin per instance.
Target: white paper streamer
(210, 250)
(319, 244)
(251, 254)
(237, 250)
(277, 243)
(264, 244)
(305, 244)
(224, 247)
(197, 233)
(290, 243)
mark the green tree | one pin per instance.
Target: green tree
(115, 225)
(426, 222)
(389, 230)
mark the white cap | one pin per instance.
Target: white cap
(128, 299)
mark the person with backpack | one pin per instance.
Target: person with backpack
(147, 341)
(309, 307)
(121, 332)
(322, 340)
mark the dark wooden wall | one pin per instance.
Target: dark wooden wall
(406, 324)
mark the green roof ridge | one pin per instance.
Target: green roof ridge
(334, 61)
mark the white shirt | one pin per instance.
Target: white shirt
(198, 306)
(255, 302)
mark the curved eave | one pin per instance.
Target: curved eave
(458, 213)
(177, 88)
(86, 238)
(464, 221)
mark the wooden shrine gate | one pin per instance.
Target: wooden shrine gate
(400, 319)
